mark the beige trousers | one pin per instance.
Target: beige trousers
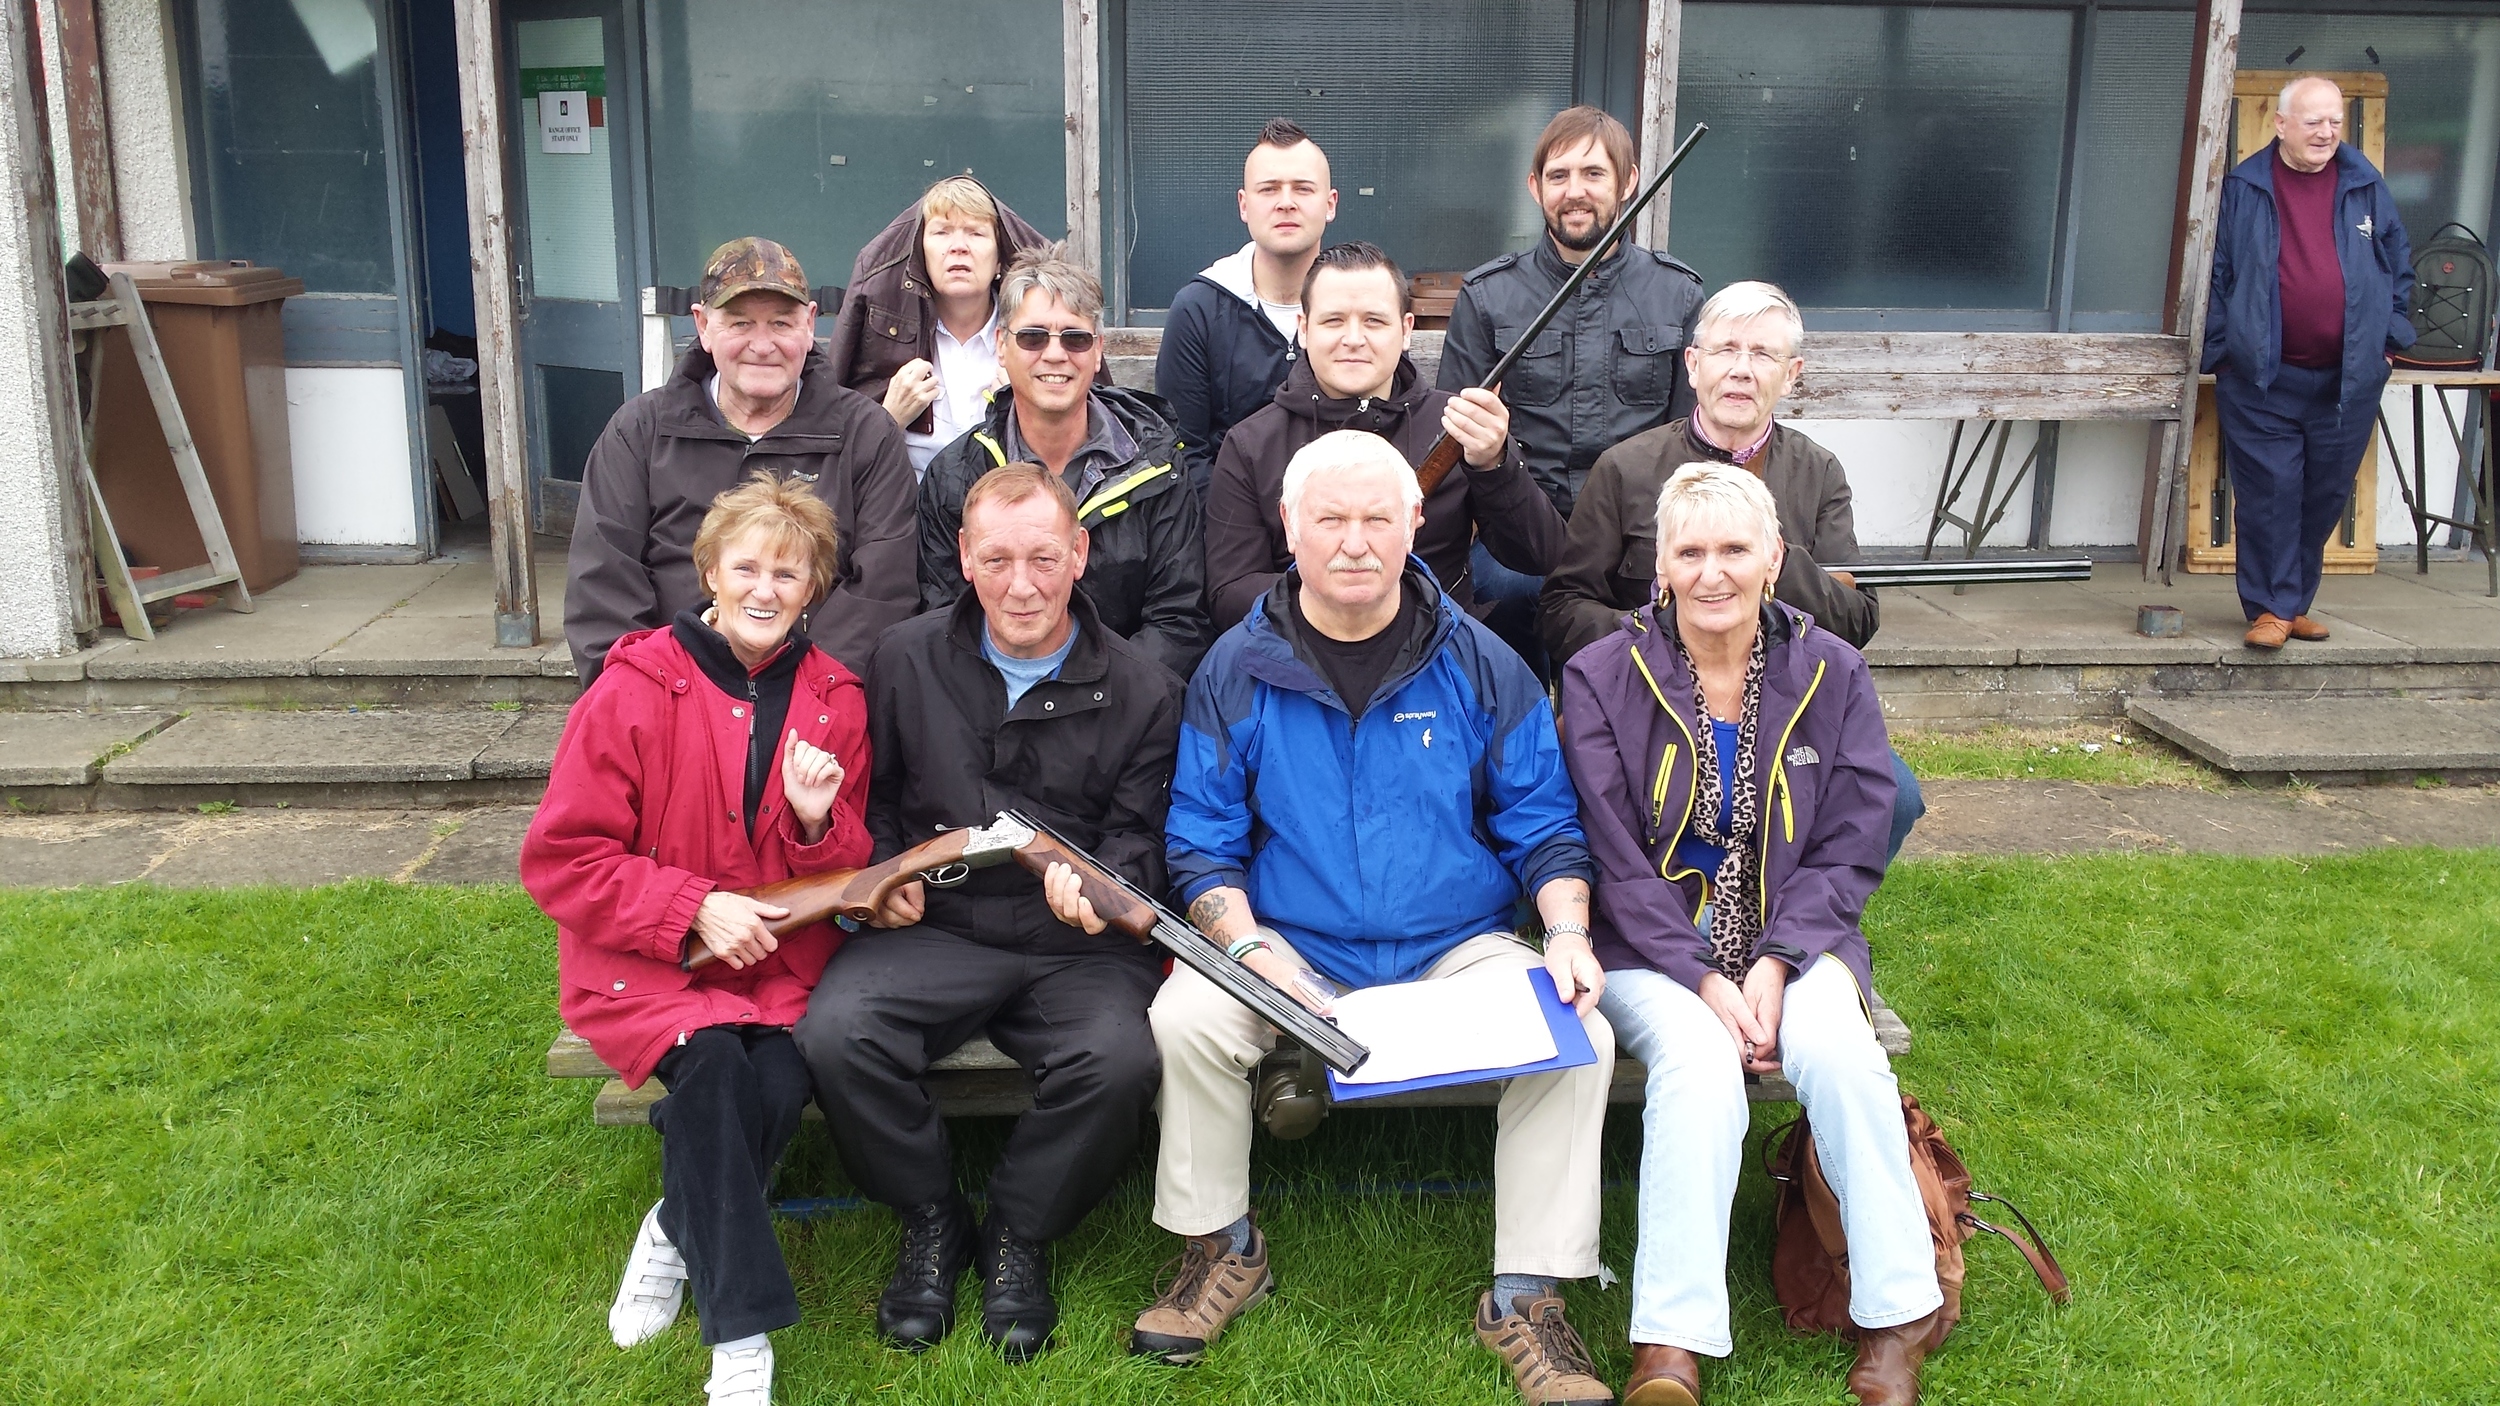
(1545, 1182)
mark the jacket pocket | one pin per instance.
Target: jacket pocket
(1644, 371)
(1636, 575)
(1539, 377)
(900, 326)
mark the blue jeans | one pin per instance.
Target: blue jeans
(1513, 596)
(1693, 1143)
(1907, 806)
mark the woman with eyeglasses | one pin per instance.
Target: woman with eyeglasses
(1117, 450)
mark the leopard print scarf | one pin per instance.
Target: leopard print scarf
(1735, 891)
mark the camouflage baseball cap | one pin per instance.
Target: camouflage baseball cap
(750, 265)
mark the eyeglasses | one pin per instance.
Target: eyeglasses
(1073, 339)
(1764, 361)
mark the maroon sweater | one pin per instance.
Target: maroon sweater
(2312, 277)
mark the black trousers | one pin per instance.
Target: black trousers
(891, 1002)
(734, 1095)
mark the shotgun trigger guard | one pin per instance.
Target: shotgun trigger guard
(946, 876)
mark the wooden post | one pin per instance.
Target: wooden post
(1080, 68)
(1661, 52)
(90, 133)
(491, 267)
(2204, 158)
(38, 217)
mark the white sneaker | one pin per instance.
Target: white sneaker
(741, 1376)
(654, 1287)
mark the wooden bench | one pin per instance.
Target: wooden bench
(978, 1081)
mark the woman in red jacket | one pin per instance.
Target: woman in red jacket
(709, 756)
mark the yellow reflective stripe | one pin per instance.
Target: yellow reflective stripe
(998, 456)
(1668, 862)
(1658, 789)
(1779, 779)
(1112, 493)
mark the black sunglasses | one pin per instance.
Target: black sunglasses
(1075, 339)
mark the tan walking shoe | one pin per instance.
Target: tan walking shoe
(1886, 1373)
(1213, 1287)
(2267, 631)
(1663, 1375)
(1547, 1359)
(2304, 628)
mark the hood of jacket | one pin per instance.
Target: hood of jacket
(895, 262)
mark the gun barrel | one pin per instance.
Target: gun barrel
(1968, 571)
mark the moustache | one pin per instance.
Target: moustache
(1369, 561)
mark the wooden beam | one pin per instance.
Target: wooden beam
(2204, 151)
(1080, 68)
(483, 131)
(38, 217)
(1661, 52)
(1961, 395)
(90, 132)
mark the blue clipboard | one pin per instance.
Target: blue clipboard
(1571, 1050)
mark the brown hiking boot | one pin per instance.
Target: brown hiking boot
(1546, 1357)
(1662, 1376)
(2267, 631)
(1886, 1373)
(1214, 1287)
(2304, 628)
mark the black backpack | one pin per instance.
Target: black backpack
(2452, 285)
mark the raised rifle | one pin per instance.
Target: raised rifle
(1444, 454)
(1966, 571)
(1125, 906)
(857, 894)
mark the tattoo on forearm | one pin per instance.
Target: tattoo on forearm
(1209, 910)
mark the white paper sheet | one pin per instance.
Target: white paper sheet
(1424, 1029)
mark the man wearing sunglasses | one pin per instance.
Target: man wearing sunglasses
(1116, 450)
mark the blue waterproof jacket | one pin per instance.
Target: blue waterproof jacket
(2243, 314)
(1373, 846)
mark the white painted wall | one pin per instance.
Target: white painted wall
(34, 577)
(348, 426)
(151, 162)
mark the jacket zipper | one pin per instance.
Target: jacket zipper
(1779, 784)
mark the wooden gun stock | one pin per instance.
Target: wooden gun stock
(1443, 457)
(858, 894)
(1113, 902)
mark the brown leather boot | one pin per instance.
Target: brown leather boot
(2304, 628)
(1886, 1373)
(2267, 631)
(1663, 1375)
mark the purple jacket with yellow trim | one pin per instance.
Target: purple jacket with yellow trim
(1824, 765)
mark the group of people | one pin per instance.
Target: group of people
(829, 600)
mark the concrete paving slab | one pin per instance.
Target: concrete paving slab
(65, 749)
(294, 621)
(1914, 632)
(557, 662)
(527, 748)
(292, 848)
(2024, 817)
(2316, 735)
(2438, 632)
(59, 668)
(485, 849)
(290, 748)
(67, 851)
(401, 644)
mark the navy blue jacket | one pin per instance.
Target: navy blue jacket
(2243, 318)
(1374, 846)
(1221, 362)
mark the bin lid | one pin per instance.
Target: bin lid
(213, 282)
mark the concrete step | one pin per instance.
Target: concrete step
(2333, 741)
(357, 758)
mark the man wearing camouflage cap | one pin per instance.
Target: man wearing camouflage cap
(753, 394)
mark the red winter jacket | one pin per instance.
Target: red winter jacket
(643, 818)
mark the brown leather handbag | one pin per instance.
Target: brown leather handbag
(1810, 1261)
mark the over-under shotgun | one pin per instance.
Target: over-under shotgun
(857, 894)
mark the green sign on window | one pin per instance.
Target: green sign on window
(591, 81)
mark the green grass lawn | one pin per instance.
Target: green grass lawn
(298, 1147)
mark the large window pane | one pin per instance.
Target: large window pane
(1428, 114)
(1883, 156)
(292, 171)
(815, 124)
(2441, 141)
(2127, 165)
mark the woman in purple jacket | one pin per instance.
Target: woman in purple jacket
(1736, 788)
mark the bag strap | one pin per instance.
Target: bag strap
(2035, 1249)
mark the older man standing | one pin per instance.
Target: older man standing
(1016, 696)
(1368, 780)
(1748, 349)
(1116, 450)
(752, 393)
(2312, 275)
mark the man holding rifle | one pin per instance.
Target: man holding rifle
(1368, 781)
(1607, 368)
(1017, 696)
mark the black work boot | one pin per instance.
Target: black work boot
(917, 1309)
(1017, 1311)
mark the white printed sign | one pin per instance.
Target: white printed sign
(564, 122)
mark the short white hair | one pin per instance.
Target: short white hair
(2283, 100)
(1741, 302)
(1704, 488)
(1340, 450)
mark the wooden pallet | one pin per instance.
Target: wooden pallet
(977, 1081)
